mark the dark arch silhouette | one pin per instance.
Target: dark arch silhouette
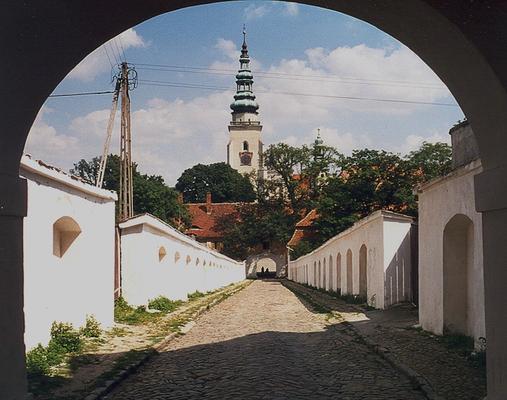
(463, 42)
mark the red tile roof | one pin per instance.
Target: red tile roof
(304, 229)
(207, 225)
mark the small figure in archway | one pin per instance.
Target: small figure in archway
(262, 270)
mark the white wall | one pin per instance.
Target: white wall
(386, 236)
(439, 202)
(66, 289)
(145, 277)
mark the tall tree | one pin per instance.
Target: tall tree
(151, 194)
(300, 172)
(431, 160)
(224, 182)
(260, 223)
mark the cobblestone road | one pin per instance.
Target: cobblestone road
(263, 343)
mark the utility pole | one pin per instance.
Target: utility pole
(125, 80)
(126, 200)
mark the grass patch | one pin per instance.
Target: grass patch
(195, 295)
(164, 305)
(126, 314)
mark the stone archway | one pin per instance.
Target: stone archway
(464, 43)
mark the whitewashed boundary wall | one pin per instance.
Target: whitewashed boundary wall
(451, 283)
(156, 259)
(371, 259)
(68, 251)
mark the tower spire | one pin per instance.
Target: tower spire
(244, 99)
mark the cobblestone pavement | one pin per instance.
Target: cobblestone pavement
(264, 343)
(448, 372)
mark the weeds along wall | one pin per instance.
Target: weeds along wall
(68, 251)
(372, 259)
(156, 259)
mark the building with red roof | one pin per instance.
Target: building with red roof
(207, 219)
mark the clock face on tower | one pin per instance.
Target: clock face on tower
(246, 157)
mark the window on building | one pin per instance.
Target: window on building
(65, 232)
(245, 146)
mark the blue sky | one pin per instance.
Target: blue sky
(311, 51)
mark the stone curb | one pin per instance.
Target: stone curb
(418, 381)
(109, 385)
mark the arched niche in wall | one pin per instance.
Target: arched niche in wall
(188, 260)
(339, 273)
(331, 273)
(65, 232)
(177, 256)
(363, 271)
(161, 253)
(458, 255)
(349, 272)
(197, 261)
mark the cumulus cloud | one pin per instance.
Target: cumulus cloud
(256, 11)
(227, 48)
(97, 62)
(170, 136)
(291, 9)
(46, 143)
(413, 142)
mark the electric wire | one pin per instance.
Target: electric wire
(308, 79)
(80, 94)
(107, 54)
(218, 88)
(184, 68)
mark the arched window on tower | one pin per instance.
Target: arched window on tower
(245, 146)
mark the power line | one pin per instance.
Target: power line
(79, 94)
(122, 49)
(180, 68)
(107, 54)
(308, 79)
(218, 88)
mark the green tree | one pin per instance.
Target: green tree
(256, 224)
(151, 194)
(224, 182)
(370, 180)
(300, 172)
(431, 160)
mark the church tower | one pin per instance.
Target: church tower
(244, 150)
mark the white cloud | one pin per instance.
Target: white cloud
(97, 61)
(413, 142)
(343, 142)
(291, 9)
(256, 11)
(44, 142)
(227, 48)
(170, 136)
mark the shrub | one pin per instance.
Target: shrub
(91, 328)
(37, 361)
(65, 337)
(125, 313)
(163, 304)
(195, 295)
